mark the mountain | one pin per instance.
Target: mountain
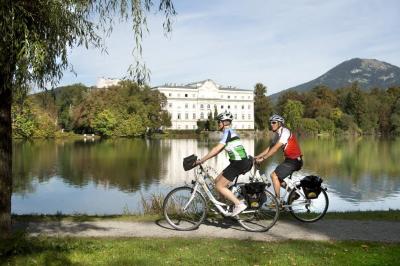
(369, 73)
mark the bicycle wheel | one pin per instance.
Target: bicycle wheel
(308, 210)
(262, 218)
(182, 211)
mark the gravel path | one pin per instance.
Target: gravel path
(385, 231)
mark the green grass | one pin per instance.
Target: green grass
(176, 251)
(391, 215)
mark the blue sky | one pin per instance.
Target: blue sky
(239, 43)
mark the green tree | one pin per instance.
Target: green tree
(286, 96)
(293, 112)
(395, 118)
(35, 39)
(309, 126)
(105, 123)
(262, 106)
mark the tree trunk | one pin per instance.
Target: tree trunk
(5, 155)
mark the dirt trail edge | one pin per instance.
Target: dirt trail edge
(384, 231)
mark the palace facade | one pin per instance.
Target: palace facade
(194, 101)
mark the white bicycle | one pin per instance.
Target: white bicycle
(186, 207)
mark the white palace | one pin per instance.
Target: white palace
(194, 101)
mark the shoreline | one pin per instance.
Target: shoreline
(389, 215)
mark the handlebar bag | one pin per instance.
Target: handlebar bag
(188, 162)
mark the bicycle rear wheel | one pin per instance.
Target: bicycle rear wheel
(262, 218)
(308, 210)
(184, 210)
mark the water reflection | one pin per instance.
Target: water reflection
(122, 163)
(104, 176)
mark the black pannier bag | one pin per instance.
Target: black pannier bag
(188, 162)
(254, 193)
(311, 186)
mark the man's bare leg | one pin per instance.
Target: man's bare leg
(277, 185)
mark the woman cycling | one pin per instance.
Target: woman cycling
(239, 161)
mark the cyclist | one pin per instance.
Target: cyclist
(239, 161)
(283, 138)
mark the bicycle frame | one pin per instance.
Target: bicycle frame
(200, 182)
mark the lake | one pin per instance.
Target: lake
(112, 176)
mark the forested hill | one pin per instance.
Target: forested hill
(368, 73)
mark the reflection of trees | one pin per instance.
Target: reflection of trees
(32, 159)
(352, 158)
(364, 168)
(123, 163)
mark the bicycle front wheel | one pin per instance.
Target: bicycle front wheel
(261, 219)
(184, 209)
(308, 210)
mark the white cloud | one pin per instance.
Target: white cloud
(280, 44)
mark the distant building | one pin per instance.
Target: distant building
(194, 101)
(106, 82)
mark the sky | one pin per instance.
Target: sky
(240, 43)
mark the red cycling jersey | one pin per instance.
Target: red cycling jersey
(291, 148)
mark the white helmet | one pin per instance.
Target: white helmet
(277, 118)
(224, 116)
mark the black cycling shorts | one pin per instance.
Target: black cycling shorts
(287, 167)
(236, 168)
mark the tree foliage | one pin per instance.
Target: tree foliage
(262, 107)
(345, 110)
(293, 112)
(36, 37)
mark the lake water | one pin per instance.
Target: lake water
(112, 176)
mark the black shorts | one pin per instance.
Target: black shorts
(236, 168)
(287, 167)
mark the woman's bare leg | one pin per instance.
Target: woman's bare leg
(221, 184)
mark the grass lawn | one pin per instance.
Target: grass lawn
(177, 251)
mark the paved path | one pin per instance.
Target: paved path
(384, 231)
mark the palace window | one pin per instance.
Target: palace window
(179, 116)
(243, 117)
(249, 116)
(208, 106)
(170, 104)
(242, 106)
(222, 107)
(194, 106)
(194, 116)
(186, 105)
(169, 94)
(186, 116)
(201, 115)
(186, 95)
(201, 106)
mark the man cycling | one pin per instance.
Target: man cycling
(283, 138)
(239, 161)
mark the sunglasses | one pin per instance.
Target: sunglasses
(273, 122)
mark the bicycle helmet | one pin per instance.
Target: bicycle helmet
(277, 118)
(225, 116)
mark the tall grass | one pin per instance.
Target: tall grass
(152, 205)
